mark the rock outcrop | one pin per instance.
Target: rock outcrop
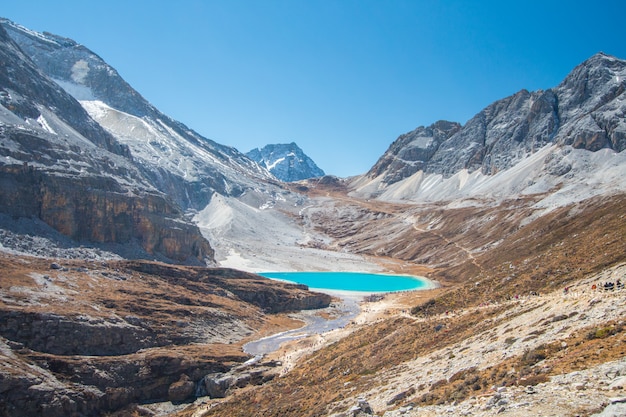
(98, 209)
(181, 390)
(220, 385)
(361, 409)
(82, 335)
(58, 386)
(411, 152)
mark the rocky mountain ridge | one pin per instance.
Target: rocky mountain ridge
(286, 161)
(175, 159)
(585, 111)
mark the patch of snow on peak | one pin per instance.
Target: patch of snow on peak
(44, 124)
(271, 166)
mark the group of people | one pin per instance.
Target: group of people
(610, 286)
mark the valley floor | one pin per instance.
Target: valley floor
(515, 328)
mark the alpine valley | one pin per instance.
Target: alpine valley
(130, 247)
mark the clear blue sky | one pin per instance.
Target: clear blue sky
(341, 78)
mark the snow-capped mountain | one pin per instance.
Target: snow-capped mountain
(177, 160)
(529, 143)
(286, 161)
(526, 198)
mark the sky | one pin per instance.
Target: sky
(341, 78)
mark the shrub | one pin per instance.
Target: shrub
(533, 380)
(531, 357)
(602, 332)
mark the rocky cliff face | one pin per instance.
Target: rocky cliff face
(585, 111)
(60, 166)
(287, 162)
(97, 210)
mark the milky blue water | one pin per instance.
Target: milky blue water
(351, 281)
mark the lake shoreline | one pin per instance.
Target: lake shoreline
(362, 283)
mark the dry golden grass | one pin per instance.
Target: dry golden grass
(559, 248)
(180, 305)
(563, 246)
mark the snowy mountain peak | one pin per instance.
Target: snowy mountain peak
(286, 161)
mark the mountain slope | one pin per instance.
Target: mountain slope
(177, 160)
(60, 166)
(287, 162)
(193, 172)
(585, 111)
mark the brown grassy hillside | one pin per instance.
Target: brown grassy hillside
(509, 294)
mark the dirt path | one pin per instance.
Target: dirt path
(469, 254)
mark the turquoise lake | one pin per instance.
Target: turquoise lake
(351, 281)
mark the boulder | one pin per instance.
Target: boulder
(362, 408)
(181, 390)
(618, 384)
(218, 384)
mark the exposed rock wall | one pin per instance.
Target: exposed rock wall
(271, 296)
(60, 335)
(98, 209)
(78, 386)
(62, 167)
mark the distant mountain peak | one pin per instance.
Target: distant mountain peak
(286, 161)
